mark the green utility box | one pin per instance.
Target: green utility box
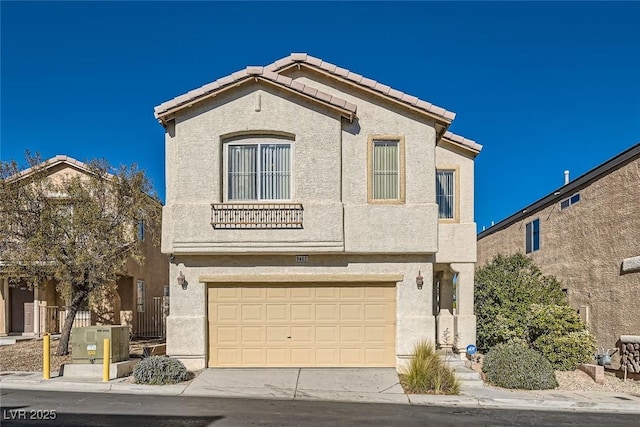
(87, 344)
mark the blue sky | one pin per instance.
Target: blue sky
(543, 86)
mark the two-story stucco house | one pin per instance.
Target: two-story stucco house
(315, 217)
(587, 234)
(136, 297)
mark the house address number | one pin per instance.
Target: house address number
(302, 258)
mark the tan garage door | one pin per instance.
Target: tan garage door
(290, 325)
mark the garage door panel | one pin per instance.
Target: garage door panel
(301, 293)
(252, 335)
(327, 334)
(303, 356)
(351, 312)
(302, 312)
(283, 325)
(228, 313)
(277, 312)
(228, 334)
(303, 334)
(327, 312)
(351, 334)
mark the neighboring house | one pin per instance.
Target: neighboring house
(587, 234)
(303, 221)
(137, 297)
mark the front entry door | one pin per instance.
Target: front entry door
(20, 297)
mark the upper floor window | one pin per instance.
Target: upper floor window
(141, 230)
(258, 171)
(532, 236)
(386, 169)
(446, 193)
(570, 201)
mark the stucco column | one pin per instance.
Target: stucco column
(36, 311)
(4, 306)
(465, 320)
(187, 320)
(414, 312)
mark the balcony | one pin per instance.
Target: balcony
(256, 216)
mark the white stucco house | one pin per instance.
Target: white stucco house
(314, 217)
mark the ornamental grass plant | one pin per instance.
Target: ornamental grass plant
(427, 373)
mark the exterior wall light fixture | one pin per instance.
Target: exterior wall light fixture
(182, 281)
(419, 280)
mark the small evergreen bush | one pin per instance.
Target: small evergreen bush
(557, 332)
(159, 370)
(514, 365)
(427, 373)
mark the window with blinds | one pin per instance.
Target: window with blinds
(258, 172)
(386, 170)
(445, 193)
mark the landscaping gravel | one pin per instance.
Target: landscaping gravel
(27, 355)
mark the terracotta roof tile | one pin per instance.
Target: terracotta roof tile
(382, 88)
(297, 57)
(354, 77)
(368, 82)
(342, 72)
(409, 99)
(323, 96)
(463, 141)
(310, 91)
(253, 70)
(328, 67)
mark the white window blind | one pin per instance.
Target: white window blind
(445, 193)
(259, 172)
(386, 170)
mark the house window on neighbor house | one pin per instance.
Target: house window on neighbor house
(386, 169)
(532, 236)
(259, 171)
(141, 230)
(140, 296)
(446, 194)
(570, 201)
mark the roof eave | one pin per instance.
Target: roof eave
(168, 114)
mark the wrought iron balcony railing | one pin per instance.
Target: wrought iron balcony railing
(256, 215)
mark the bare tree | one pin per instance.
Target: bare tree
(77, 229)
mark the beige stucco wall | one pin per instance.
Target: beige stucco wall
(584, 246)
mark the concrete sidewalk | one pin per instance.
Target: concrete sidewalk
(350, 385)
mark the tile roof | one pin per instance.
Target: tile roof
(271, 73)
(297, 58)
(461, 140)
(245, 75)
(53, 162)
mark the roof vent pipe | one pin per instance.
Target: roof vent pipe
(566, 177)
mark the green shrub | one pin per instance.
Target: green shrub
(427, 373)
(159, 370)
(505, 290)
(516, 366)
(557, 332)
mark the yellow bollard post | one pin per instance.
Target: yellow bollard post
(46, 357)
(106, 360)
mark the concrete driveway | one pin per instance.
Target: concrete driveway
(337, 384)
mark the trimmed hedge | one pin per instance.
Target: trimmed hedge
(159, 370)
(516, 366)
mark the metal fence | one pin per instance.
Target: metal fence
(149, 324)
(152, 322)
